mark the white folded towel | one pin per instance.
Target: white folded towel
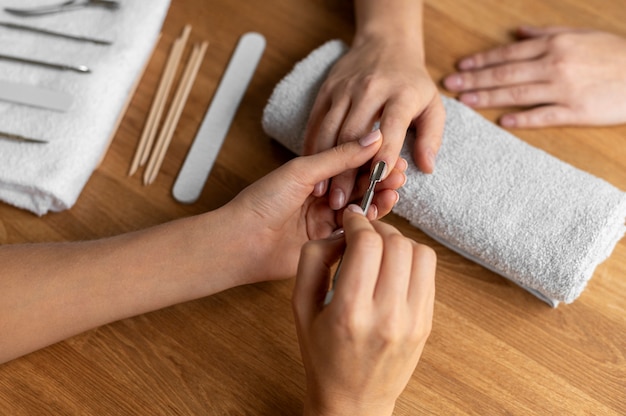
(496, 200)
(50, 177)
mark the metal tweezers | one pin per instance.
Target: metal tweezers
(375, 176)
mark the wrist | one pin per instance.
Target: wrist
(397, 22)
(341, 406)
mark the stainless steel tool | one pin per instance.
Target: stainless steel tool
(375, 176)
(34, 29)
(62, 7)
(53, 65)
(17, 137)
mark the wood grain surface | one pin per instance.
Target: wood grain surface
(494, 350)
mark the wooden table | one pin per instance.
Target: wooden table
(494, 349)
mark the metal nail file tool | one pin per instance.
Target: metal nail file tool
(218, 118)
(34, 96)
(375, 176)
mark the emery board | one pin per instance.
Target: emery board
(34, 96)
(218, 118)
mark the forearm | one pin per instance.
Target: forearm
(49, 292)
(394, 21)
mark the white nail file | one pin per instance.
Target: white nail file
(34, 96)
(218, 118)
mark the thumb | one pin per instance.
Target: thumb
(329, 163)
(525, 32)
(316, 260)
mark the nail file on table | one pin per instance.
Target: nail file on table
(218, 118)
(34, 96)
(375, 177)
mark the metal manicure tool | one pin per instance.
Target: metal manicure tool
(77, 68)
(62, 7)
(17, 137)
(34, 29)
(375, 176)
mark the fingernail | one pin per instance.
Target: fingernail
(355, 208)
(469, 99)
(337, 199)
(467, 63)
(370, 138)
(337, 234)
(374, 210)
(453, 82)
(402, 164)
(432, 157)
(319, 189)
(507, 121)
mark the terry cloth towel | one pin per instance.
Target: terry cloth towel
(50, 177)
(496, 200)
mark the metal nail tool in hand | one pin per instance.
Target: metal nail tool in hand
(62, 7)
(375, 177)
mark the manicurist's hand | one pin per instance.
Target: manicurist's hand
(382, 78)
(559, 75)
(360, 350)
(279, 213)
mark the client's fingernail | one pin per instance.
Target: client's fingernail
(318, 190)
(467, 63)
(370, 138)
(453, 82)
(507, 121)
(337, 199)
(469, 99)
(430, 154)
(337, 234)
(402, 164)
(355, 208)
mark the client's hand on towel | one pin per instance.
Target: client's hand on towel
(383, 78)
(360, 351)
(568, 76)
(280, 212)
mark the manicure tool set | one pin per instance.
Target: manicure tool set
(32, 95)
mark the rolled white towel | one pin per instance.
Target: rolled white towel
(493, 198)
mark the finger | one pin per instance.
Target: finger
(358, 123)
(313, 276)
(516, 95)
(421, 292)
(525, 32)
(395, 271)
(544, 116)
(394, 123)
(502, 75)
(306, 171)
(361, 260)
(429, 134)
(320, 108)
(512, 52)
(383, 203)
(330, 125)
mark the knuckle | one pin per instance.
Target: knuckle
(369, 240)
(518, 93)
(503, 73)
(506, 52)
